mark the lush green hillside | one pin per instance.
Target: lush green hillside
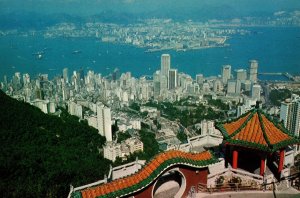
(42, 154)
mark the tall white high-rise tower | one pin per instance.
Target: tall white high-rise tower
(253, 71)
(290, 115)
(226, 73)
(172, 78)
(165, 64)
(104, 121)
(255, 92)
(66, 75)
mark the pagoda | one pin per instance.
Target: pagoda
(254, 136)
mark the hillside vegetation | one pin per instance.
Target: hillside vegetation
(41, 155)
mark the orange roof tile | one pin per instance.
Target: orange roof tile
(233, 126)
(145, 172)
(252, 132)
(274, 134)
(257, 131)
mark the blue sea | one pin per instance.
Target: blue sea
(276, 49)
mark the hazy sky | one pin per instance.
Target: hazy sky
(88, 7)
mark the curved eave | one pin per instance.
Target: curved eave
(280, 127)
(159, 171)
(223, 130)
(162, 167)
(246, 144)
(260, 147)
(286, 143)
(269, 147)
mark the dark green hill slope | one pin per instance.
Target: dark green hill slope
(42, 154)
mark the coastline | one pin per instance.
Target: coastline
(185, 49)
(98, 56)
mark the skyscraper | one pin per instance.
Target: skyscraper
(218, 85)
(116, 74)
(104, 122)
(5, 80)
(16, 81)
(165, 64)
(241, 74)
(255, 93)
(172, 78)
(81, 73)
(253, 70)
(200, 79)
(290, 115)
(163, 83)
(156, 84)
(66, 75)
(238, 87)
(26, 79)
(226, 73)
(234, 87)
(231, 87)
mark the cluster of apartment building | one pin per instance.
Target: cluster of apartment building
(113, 150)
(101, 100)
(290, 116)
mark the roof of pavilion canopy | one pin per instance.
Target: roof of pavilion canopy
(258, 131)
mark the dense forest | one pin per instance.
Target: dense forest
(41, 155)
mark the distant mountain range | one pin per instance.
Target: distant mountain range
(27, 20)
(35, 20)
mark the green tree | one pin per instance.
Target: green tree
(151, 147)
(42, 154)
(135, 106)
(123, 136)
(278, 95)
(182, 137)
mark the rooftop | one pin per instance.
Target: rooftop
(257, 130)
(152, 170)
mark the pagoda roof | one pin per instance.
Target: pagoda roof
(257, 130)
(140, 180)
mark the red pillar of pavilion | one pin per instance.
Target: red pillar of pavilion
(235, 159)
(281, 160)
(262, 165)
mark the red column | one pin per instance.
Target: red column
(262, 166)
(281, 160)
(235, 159)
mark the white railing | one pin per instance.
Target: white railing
(71, 190)
(239, 173)
(110, 172)
(91, 185)
(245, 173)
(221, 172)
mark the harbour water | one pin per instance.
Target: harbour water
(276, 49)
